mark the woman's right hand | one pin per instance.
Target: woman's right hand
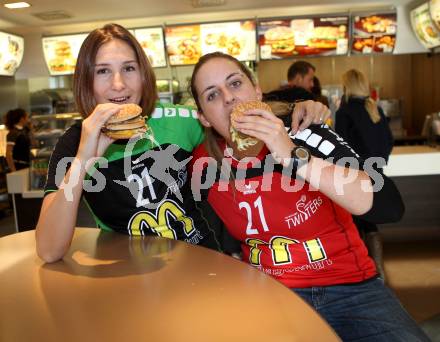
(93, 142)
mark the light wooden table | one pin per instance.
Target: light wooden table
(111, 287)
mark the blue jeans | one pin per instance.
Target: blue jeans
(367, 311)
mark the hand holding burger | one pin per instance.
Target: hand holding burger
(253, 122)
(126, 123)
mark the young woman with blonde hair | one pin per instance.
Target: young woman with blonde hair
(363, 125)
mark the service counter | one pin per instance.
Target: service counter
(27, 203)
(413, 161)
(416, 172)
(414, 169)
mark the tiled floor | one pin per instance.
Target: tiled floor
(412, 267)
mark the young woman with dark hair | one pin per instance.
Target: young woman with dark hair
(302, 235)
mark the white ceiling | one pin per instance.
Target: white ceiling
(87, 14)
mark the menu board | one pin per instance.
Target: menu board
(186, 44)
(60, 53)
(374, 33)
(151, 40)
(286, 37)
(11, 53)
(424, 28)
(434, 9)
(183, 44)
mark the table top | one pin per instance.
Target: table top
(110, 287)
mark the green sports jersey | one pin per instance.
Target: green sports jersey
(143, 188)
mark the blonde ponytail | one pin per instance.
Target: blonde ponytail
(371, 108)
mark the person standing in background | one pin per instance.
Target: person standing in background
(363, 125)
(299, 84)
(18, 140)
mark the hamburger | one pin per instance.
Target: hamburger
(244, 141)
(281, 39)
(62, 49)
(126, 123)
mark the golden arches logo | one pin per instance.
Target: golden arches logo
(160, 223)
(281, 254)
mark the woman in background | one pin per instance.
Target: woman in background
(363, 125)
(18, 140)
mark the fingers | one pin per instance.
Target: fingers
(297, 115)
(102, 113)
(259, 121)
(309, 112)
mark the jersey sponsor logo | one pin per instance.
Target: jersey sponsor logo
(249, 189)
(305, 209)
(160, 222)
(182, 176)
(280, 252)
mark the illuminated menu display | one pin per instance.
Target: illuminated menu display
(434, 9)
(11, 53)
(151, 40)
(287, 37)
(424, 27)
(60, 53)
(187, 43)
(374, 33)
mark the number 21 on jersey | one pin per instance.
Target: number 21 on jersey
(258, 204)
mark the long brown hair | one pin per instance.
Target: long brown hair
(356, 84)
(211, 136)
(84, 71)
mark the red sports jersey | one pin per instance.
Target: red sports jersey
(297, 234)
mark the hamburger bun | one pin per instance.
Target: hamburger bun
(126, 123)
(62, 49)
(244, 141)
(281, 39)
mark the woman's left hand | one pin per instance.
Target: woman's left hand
(308, 112)
(266, 127)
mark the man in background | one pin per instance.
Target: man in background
(299, 84)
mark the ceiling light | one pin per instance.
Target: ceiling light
(14, 5)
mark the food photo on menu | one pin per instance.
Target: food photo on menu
(233, 38)
(183, 44)
(424, 27)
(11, 53)
(434, 8)
(375, 33)
(60, 53)
(284, 38)
(152, 42)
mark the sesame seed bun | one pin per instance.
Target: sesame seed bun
(126, 123)
(244, 141)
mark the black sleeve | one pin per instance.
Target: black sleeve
(66, 147)
(11, 137)
(387, 206)
(288, 94)
(324, 143)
